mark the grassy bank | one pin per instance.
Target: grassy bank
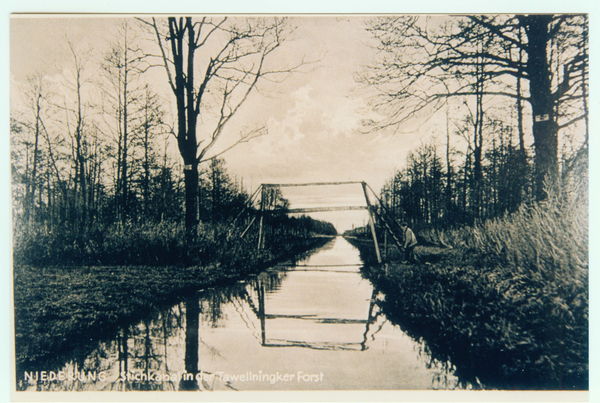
(161, 243)
(507, 304)
(62, 312)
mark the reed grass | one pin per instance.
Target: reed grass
(508, 301)
(548, 239)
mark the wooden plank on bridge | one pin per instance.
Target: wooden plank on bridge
(319, 209)
(270, 185)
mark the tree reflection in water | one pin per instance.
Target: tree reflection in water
(162, 352)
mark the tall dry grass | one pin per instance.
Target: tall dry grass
(547, 240)
(513, 289)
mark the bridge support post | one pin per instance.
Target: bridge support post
(372, 223)
(262, 217)
(385, 246)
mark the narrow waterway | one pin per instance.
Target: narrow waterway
(309, 325)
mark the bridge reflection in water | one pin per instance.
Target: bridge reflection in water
(312, 325)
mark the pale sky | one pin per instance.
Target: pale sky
(313, 117)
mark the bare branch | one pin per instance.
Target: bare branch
(245, 137)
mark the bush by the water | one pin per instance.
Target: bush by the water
(507, 333)
(135, 243)
(161, 243)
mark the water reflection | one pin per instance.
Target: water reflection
(316, 322)
(141, 350)
(192, 323)
(257, 293)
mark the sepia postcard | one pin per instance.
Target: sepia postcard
(300, 207)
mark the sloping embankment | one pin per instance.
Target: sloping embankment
(62, 312)
(498, 330)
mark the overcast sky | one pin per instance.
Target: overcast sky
(313, 118)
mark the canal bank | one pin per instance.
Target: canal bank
(313, 323)
(500, 330)
(63, 312)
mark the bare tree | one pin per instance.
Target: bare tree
(36, 100)
(230, 58)
(424, 56)
(123, 64)
(147, 127)
(75, 110)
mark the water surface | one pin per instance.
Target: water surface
(308, 325)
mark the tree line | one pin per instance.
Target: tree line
(514, 91)
(89, 145)
(90, 142)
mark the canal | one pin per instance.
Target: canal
(312, 324)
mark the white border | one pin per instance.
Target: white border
(281, 7)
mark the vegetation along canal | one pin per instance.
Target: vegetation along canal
(163, 169)
(311, 324)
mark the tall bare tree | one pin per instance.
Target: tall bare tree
(36, 100)
(424, 56)
(212, 66)
(75, 109)
(123, 64)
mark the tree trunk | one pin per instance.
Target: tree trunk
(146, 184)
(449, 179)
(478, 143)
(124, 185)
(545, 128)
(186, 119)
(191, 201)
(522, 153)
(30, 207)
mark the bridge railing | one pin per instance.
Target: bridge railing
(372, 211)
